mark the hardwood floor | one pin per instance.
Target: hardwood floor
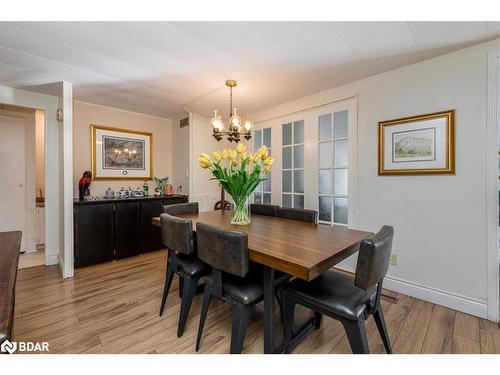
(113, 308)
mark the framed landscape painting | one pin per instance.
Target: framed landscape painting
(121, 154)
(417, 145)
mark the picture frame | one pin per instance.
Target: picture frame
(121, 154)
(417, 145)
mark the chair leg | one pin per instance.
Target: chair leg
(288, 318)
(188, 292)
(181, 286)
(318, 318)
(382, 328)
(356, 334)
(168, 282)
(207, 296)
(241, 317)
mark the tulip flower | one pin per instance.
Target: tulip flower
(241, 148)
(217, 156)
(269, 160)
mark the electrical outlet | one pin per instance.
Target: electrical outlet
(393, 261)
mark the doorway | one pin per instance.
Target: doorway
(22, 169)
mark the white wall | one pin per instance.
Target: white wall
(40, 152)
(85, 114)
(53, 155)
(202, 190)
(180, 158)
(439, 221)
(23, 119)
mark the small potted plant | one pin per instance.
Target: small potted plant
(161, 183)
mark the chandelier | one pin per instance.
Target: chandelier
(236, 128)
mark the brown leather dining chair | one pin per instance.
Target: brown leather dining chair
(301, 214)
(232, 279)
(263, 209)
(178, 237)
(351, 300)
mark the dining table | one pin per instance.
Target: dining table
(286, 248)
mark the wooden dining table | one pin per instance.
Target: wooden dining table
(286, 248)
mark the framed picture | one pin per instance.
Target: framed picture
(417, 145)
(121, 154)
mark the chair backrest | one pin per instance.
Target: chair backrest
(222, 249)
(263, 209)
(301, 214)
(177, 234)
(373, 258)
(181, 208)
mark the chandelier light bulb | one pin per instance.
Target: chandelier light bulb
(248, 125)
(216, 122)
(235, 120)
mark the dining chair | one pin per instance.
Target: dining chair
(177, 234)
(232, 279)
(301, 214)
(349, 299)
(181, 208)
(263, 209)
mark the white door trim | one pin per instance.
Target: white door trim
(492, 223)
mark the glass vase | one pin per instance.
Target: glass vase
(241, 211)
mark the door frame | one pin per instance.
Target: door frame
(492, 187)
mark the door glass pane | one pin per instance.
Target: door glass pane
(298, 201)
(287, 134)
(340, 210)
(266, 198)
(287, 158)
(266, 184)
(340, 182)
(325, 155)
(286, 200)
(325, 181)
(325, 127)
(258, 198)
(257, 139)
(267, 137)
(298, 181)
(340, 124)
(287, 181)
(298, 156)
(341, 153)
(325, 209)
(298, 132)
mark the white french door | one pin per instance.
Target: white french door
(315, 160)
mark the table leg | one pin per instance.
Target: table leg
(268, 310)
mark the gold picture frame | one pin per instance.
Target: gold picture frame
(143, 169)
(419, 145)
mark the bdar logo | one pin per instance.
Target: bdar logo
(8, 347)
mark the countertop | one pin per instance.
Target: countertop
(76, 201)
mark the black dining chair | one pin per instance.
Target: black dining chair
(263, 209)
(181, 208)
(177, 234)
(301, 214)
(232, 280)
(351, 300)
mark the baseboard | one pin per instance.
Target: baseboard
(51, 260)
(439, 297)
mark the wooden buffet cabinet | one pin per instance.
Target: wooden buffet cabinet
(108, 229)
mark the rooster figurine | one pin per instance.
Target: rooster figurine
(84, 184)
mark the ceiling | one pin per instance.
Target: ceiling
(156, 67)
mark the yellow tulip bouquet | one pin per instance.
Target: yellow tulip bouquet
(239, 174)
